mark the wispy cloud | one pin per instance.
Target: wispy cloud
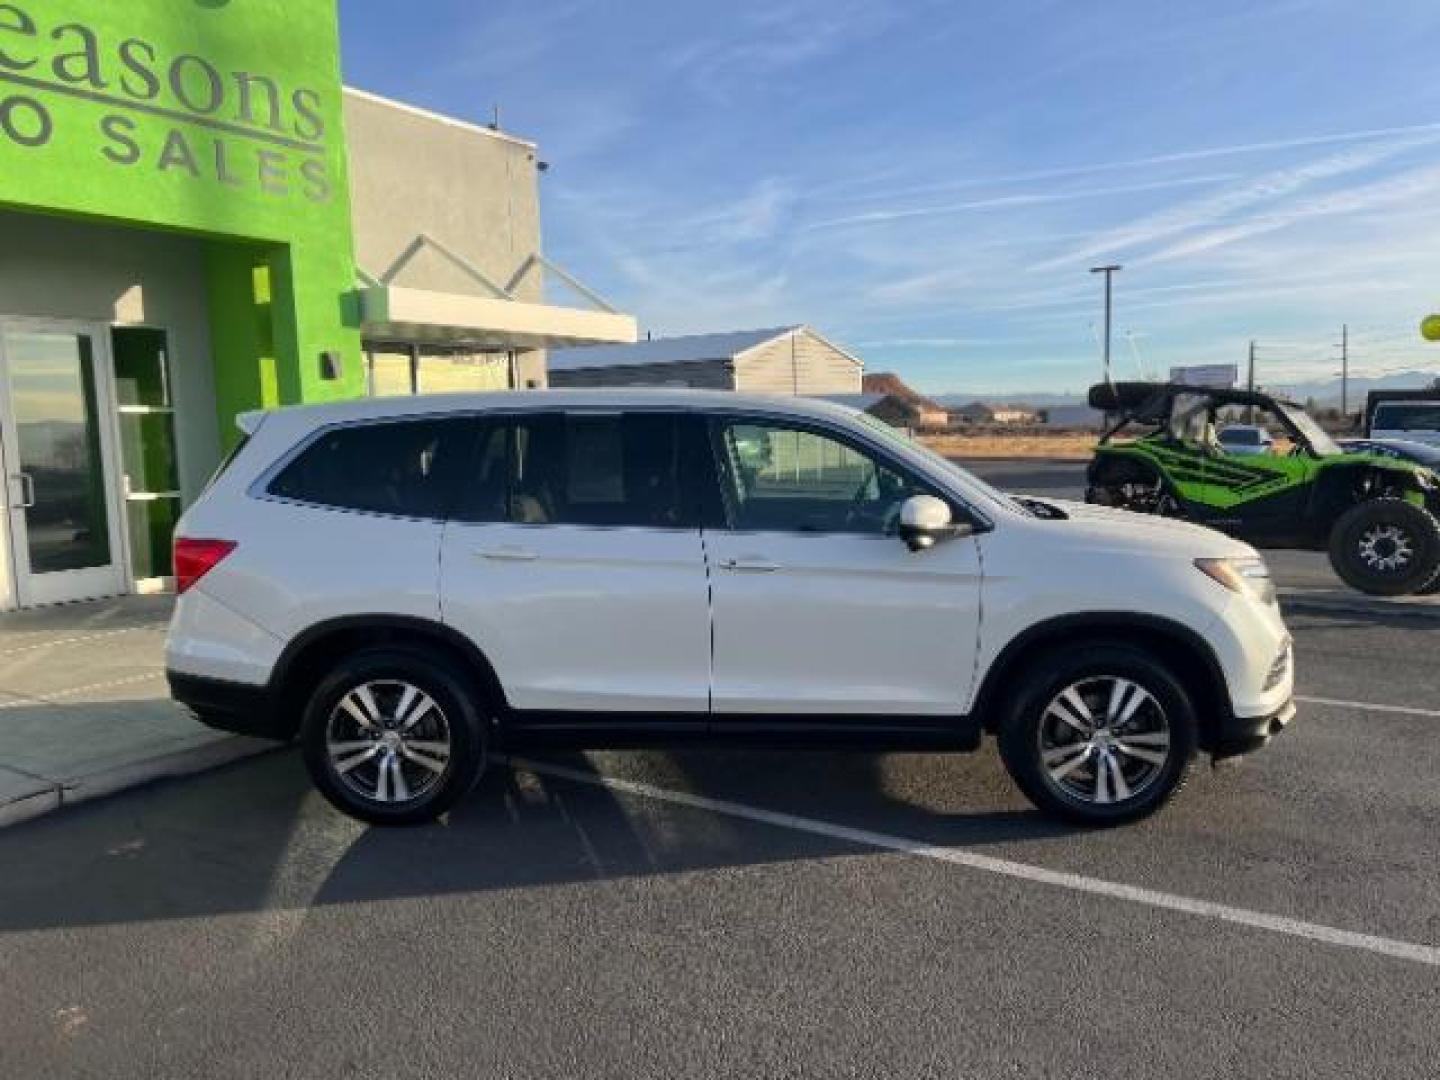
(1018, 199)
(1269, 187)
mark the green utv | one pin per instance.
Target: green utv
(1377, 517)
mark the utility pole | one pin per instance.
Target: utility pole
(1345, 369)
(1109, 272)
(1250, 385)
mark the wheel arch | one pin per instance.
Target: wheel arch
(1184, 652)
(1345, 484)
(311, 653)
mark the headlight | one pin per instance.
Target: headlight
(1249, 576)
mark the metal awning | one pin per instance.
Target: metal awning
(391, 312)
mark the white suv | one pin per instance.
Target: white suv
(409, 584)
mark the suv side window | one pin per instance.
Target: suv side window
(404, 467)
(632, 469)
(780, 478)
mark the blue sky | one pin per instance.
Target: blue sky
(927, 181)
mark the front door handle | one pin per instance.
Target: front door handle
(506, 554)
(751, 564)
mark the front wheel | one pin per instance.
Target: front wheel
(1386, 547)
(1099, 735)
(393, 737)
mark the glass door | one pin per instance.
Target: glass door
(59, 463)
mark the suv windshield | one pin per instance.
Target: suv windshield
(1421, 416)
(1320, 442)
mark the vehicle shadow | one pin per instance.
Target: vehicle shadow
(253, 837)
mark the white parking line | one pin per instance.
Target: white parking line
(1259, 920)
(81, 639)
(1369, 706)
(50, 696)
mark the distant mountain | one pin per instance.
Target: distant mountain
(1037, 400)
(1327, 391)
(1324, 391)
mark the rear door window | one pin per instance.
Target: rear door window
(634, 469)
(407, 468)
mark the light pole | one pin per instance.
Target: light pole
(1109, 272)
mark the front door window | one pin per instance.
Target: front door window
(795, 480)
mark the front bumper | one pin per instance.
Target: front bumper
(1237, 735)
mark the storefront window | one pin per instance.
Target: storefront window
(396, 370)
(442, 373)
(147, 446)
(391, 372)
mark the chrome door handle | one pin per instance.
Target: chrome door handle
(506, 554)
(751, 565)
(27, 490)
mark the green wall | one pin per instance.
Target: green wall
(214, 117)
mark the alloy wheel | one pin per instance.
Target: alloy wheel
(1386, 548)
(388, 741)
(1103, 740)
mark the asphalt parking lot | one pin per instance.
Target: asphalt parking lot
(762, 914)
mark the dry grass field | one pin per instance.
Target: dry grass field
(1063, 445)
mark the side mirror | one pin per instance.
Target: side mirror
(925, 521)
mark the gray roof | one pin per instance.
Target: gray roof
(671, 350)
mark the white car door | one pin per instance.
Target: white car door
(574, 563)
(818, 607)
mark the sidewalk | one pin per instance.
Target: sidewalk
(84, 709)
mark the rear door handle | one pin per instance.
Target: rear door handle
(506, 554)
(751, 565)
(27, 490)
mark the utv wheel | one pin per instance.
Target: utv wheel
(1133, 487)
(1386, 547)
(393, 737)
(1098, 735)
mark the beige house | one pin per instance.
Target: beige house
(782, 360)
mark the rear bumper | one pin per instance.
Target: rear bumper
(1238, 735)
(242, 708)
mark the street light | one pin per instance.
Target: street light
(1109, 272)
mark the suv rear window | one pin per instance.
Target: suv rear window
(407, 468)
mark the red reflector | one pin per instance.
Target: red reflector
(196, 558)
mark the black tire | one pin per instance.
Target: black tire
(1374, 533)
(1129, 485)
(1163, 726)
(332, 721)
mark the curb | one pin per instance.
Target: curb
(51, 795)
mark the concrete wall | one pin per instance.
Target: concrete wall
(698, 374)
(474, 190)
(61, 268)
(799, 363)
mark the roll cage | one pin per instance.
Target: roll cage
(1155, 405)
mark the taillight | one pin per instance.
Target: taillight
(196, 558)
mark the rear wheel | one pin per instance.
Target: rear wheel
(1386, 547)
(1099, 735)
(393, 737)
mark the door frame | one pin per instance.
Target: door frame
(27, 589)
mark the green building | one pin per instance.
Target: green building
(197, 219)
